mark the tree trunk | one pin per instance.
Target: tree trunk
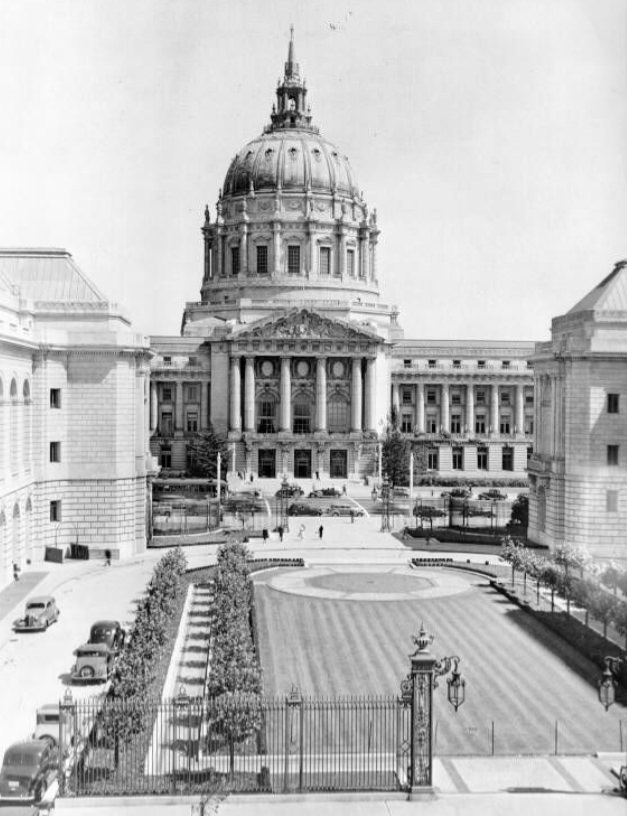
(231, 760)
(552, 599)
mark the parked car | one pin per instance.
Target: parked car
(109, 633)
(290, 491)
(40, 612)
(28, 769)
(428, 512)
(245, 504)
(323, 492)
(94, 663)
(300, 509)
(344, 510)
(458, 493)
(492, 495)
(48, 722)
(400, 491)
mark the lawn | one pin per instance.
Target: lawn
(526, 689)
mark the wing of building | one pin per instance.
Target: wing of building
(73, 414)
(290, 350)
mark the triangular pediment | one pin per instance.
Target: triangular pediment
(305, 324)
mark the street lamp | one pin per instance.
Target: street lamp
(417, 692)
(385, 506)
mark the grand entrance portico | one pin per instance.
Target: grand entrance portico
(304, 386)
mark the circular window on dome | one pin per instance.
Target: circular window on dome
(337, 369)
(268, 154)
(267, 368)
(316, 154)
(302, 368)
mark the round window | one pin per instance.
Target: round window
(267, 369)
(338, 368)
(302, 368)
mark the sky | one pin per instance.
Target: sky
(490, 135)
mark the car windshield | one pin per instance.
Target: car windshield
(35, 606)
(48, 718)
(99, 634)
(23, 758)
(88, 653)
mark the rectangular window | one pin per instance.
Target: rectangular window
(166, 426)
(457, 363)
(458, 458)
(508, 459)
(505, 425)
(480, 396)
(166, 394)
(165, 457)
(407, 396)
(611, 501)
(529, 398)
(480, 423)
(456, 398)
(193, 361)
(266, 417)
(432, 460)
(350, 263)
(235, 260)
(505, 395)
(192, 422)
(293, 260)
(482, 458)
(456, 423)
(431, 396)
(338, 417)
(480, 363)
(432, 424)
(325, 260)
(55, 451)
(612, 455)
(55, 397)
(432, 363)
(505, 364)
(55, 510)
(302, 412)
(192, 393)
(262, 260)
(406, 363)
(406, 424)
(529, 454)
(167, 360)
(612, 403)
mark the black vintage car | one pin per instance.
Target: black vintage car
(28, 769)
(108, 632)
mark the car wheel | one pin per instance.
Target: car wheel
(87, 673)
(50, 739)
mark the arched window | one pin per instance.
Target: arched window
(266, 414)
(302, 416)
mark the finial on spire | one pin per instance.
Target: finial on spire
(291, 109)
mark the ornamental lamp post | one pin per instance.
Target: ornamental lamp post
(385, 506)
(608, 681)
(417, 692)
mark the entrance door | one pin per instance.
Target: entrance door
(267, 464)
(338, 464)
(302, 464)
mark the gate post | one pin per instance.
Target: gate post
(417, 689)
(67, 736)
(293, 701)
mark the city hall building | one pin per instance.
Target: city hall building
(290, 351)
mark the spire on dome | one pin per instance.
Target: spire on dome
(291, 109)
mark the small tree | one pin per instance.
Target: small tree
(520, 511)
(620, 620)
(203, 449)
(395, 453)
(551, 577)
(602, 606)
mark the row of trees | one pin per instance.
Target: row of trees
(570, 572)
(124, 711)
(235, 674)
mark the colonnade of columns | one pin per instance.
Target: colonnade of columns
(518, 407)
(362, 401)
(179, 405)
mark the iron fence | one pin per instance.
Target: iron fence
(193, 745)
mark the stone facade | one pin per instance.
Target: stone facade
(73, 414)
(578, 471)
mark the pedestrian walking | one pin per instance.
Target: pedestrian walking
(301, 532)
(320, 532)
(264, 534)
(343, 490)
(280, 531)
(16, 572)
(352, 516)
(107, 558)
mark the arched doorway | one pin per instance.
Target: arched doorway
(28, 531)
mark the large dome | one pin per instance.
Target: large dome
(296, 159)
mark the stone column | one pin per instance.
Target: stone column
(445, 421)
(204, 412)
(356, 395)
(396, 403)
(249, 395)
(520, 410)
(178, 419)
(243, 261)
(286, 394)
(470, 409)
(494, 410)
(321, 394)
(235, 396)
(154, 406)
(370, 395)
(420, 407)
